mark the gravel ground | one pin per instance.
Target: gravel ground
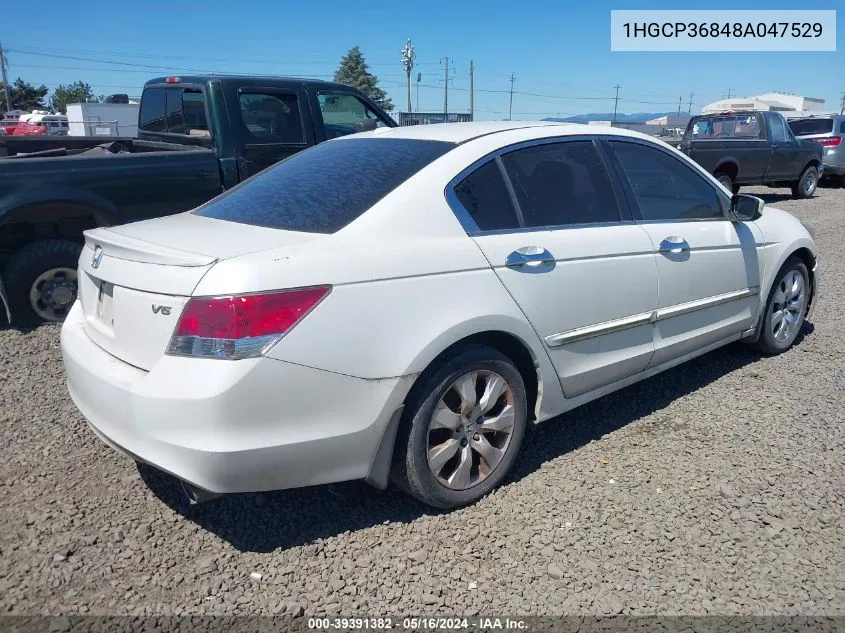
(715, 488)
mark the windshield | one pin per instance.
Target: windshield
(801, 127)
(727, 126)
(322, 189)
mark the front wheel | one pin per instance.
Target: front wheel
(806, 184)
(463, 428)
(41, 281)
(785, 308)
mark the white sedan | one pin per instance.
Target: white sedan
(404, 302)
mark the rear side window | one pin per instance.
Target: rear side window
(561, 183)
(811, 126)
(271, 117)
(485, 197)
(324, 188)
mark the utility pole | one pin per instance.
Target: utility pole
(689, 108)
(729, 93)
(419, 79)
(5, 79)
(408, 55)
(471, 91)
(680, 101)
(510, 103)
(616, 102)
(842, 106)
(445, 61)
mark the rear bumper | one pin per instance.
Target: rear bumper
(231, 426)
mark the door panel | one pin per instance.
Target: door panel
(599, 277)
(548, 219)
(708, 267)
(709, 290)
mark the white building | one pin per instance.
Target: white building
(103, 119)
(775, 101)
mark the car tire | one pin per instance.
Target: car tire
(783, 315)
(725, 179)
(440, 451)
(40, 281)
(806, 184)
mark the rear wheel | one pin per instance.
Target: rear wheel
(41, 281)
(806, 184)
(464, 428)
(785, 308)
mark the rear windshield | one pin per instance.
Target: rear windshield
(811, 126)
(324, 188)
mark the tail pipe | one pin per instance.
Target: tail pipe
(195, 495)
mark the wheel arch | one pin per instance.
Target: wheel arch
(729, 167)
(508, 344)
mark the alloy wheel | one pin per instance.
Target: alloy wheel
(470, 429)
(788, 307)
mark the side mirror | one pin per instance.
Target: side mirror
(365, 125)
(745, 208)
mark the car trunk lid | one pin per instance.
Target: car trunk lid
(135, 280)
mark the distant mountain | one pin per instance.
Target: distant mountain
(639, 117)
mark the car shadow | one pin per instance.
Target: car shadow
(772, 198)
(264, 522)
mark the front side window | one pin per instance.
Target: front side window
(325, 187)
(779, 133)
(561, 183)
(341, 113)
(665, 188)
(271, 117)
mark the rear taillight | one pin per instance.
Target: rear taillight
(243, 326)
(829, 142)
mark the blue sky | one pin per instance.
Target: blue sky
(559, 51)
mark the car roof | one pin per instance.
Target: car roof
(243, 79)
(462, 132)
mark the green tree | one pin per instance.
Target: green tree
(353, 71)
(77, 92)
(25, 96)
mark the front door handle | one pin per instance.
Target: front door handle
(529, 256)
(674, 244)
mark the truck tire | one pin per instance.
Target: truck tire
(40, 281)
(806, 184)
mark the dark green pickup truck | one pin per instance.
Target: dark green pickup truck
(197, 136)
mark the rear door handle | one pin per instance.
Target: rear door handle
(529, 256)
(674, 244)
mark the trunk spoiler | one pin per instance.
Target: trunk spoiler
(135, 250)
